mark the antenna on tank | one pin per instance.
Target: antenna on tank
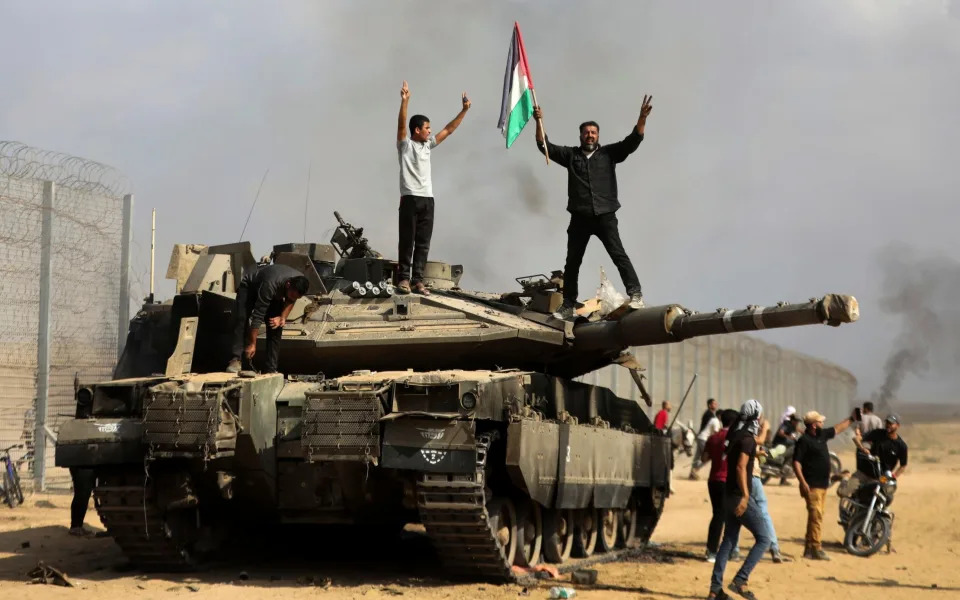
(153, 248)
(306, 202)
(255, 198)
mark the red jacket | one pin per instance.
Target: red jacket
(660, 421)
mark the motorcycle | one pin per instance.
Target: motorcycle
(865, 510)
(683, 438)
(778, 464)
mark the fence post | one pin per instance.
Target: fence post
(43, 337)
(124, 308)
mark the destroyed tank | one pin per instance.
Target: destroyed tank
(459, 410)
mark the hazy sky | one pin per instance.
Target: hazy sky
(789, 143)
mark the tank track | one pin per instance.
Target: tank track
(126, 504)
(453, 509)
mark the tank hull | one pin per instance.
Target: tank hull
(469, 454)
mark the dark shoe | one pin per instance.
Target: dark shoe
(775, 555)
(816, 555)
(734, 554)
(233, 366)
(419, 288)
(741, 590)
(79, 532)
(566, 312)
(636, 300)
(721, 595)
(403, 287)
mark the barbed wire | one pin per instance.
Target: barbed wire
(85, 276)
(21, 161)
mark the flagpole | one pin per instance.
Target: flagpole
(546, 151)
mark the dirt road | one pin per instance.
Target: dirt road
(924, 564)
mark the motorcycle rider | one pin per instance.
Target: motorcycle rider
(887, 445)
(785, 439)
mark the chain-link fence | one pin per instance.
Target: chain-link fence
(732, 369)
(61, 233)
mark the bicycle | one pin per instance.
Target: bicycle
(12, 492)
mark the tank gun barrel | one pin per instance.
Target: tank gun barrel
(673, 323)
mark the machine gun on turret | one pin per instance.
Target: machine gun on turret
(349, 241)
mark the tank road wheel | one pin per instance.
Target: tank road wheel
(585, 533)
(529, 534)
(557, 535)
(609, 521)
(503, 524)
(627, 531)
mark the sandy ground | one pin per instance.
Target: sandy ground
(924, 564)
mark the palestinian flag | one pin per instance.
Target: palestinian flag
(516, 108)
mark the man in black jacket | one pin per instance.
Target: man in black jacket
(592, 201)
(266, 295)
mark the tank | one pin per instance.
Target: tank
(459, 410)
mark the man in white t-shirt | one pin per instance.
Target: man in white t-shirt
(870, 421)
(416, 191)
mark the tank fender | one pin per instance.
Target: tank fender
(532, 451)
(99, 441)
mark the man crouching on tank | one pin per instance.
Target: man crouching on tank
(265, 294)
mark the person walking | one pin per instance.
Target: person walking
(709, 425)
(739, 511)
(715, 453)
(759, 495)
(811, 463)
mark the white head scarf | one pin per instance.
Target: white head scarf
(787, 414)
(749, 417)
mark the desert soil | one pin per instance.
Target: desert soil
(925, 562)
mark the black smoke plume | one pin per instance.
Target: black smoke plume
(924, 292)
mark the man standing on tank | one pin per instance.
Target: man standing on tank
(266, 294)
(416, 191)
(592, 202)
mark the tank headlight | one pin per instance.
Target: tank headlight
(468, 401)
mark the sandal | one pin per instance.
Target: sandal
(419, 288)
(403, 287)
(741, 590)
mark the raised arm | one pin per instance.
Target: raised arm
(619, 151)
(402, 120)
(452, 125)
(558, 154)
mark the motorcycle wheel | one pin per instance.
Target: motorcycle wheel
(859, 544)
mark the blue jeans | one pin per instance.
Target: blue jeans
(756, 492)
(753, 520)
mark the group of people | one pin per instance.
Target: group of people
(592, 197)
(735, 443)
(266, 295)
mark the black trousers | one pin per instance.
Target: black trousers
(83, 481)
(578, 234)
(416, 229)
(246, 298)
(714, 533)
